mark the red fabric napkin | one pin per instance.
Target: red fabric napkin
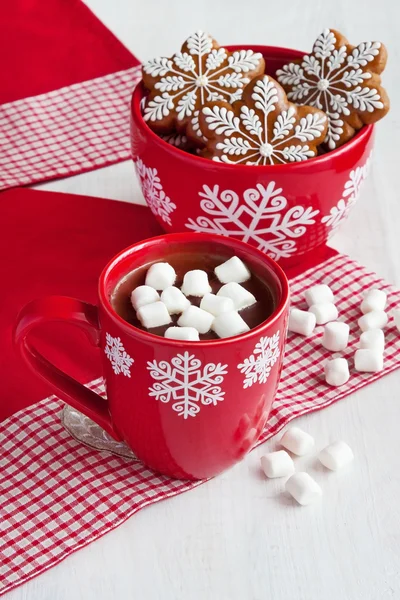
(64, 94)
(53, 243)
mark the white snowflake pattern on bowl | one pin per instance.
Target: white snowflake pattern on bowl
(120, 360)
(257, 367)
(159, 203)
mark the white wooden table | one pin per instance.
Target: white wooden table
(237, 537)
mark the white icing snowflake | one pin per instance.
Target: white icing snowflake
(158, 202)
(334, 81)
(259, 140)
(202, 73)
(260, 218)
(175, 139)
(349, 197)
(258, 365)
(187, 383)
(120, 360)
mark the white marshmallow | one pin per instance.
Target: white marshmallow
(216, 305)
(241, 297)
(232, 270)
(297, 441)
(195, 283)
(377, 319)
(229, 324)
(396, 316)
(303, 488)
(373, 300)
(319, 294)
(142, 295)
(153, 315)
(160, 276)
(277, 464)
(189, 334)
(373, 339)
(336, 455)
(302, 322)
(197, 318)
(335, 336)
(337, 372)
(368, 361)
(324, 312)
(174, 300)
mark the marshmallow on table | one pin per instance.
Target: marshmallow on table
(301, 321)
(153, 315)
(297, 441)
(368, 361)
(303, 488)
(142, 295)
(232, 270)
(336, 336)
(216, 305)
(336, 455)
(196, 317)
(376, 319)
(373, 300)
(396, 316)
(373, 339)
(277, 464)
(229, 324)
(195, 283)
(319, 294)
(324, 312)
(174, 300)
(337, 372)
(241, 297)
(160, 276)
(189, 334)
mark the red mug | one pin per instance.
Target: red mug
(187, 409)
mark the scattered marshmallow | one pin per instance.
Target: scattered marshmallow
(142, 295)
(160, 276)
(195, 283)
(189, 334)
(376, 319)
(174, 300)
(229, 324)
(241, 297)
(324, 312)
(373, 300)
(297, 441)
(337, 372)
(153, 315)
(368, 361)
(336, 455)
(373, 339)
(216, 305)
(302, 322)
(396, 316)
(196, 317)
(232, 270)
(303, 488)
(319, 294)
(277, 464)
(336, 336)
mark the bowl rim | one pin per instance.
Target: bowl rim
(137, 118)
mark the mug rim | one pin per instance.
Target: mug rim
(146, 336)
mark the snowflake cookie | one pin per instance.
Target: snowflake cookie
(342, 80)
(202, 71)
(263, 128)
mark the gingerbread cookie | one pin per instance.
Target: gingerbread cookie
(342, 80)
(263, 128)
(201, 72)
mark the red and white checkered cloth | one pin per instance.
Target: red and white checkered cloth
(71, 130)
(58, 495)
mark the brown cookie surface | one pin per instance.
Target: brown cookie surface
(201, 72)
(342, 80)
(263, 128)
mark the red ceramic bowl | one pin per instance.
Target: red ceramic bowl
(287, 211)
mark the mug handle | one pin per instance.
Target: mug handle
(85, 316)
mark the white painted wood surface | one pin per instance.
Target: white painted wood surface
(237, 537)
